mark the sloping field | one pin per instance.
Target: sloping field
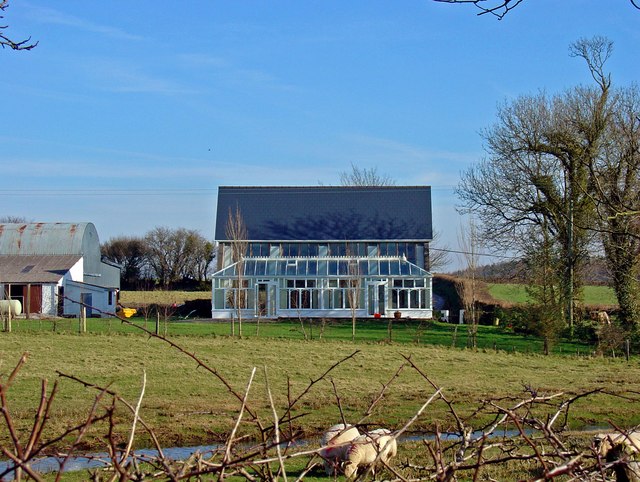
(517, 293)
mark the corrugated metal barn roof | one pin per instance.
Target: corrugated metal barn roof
(20, 269)
(44, 238)
(328, 213)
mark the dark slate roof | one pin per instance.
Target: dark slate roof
(322, 213)
(22, 269)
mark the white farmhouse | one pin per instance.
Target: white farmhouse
(324, 251)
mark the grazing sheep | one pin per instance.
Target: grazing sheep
(364, 450)
(392, 450)
(335, 442)
(621, 449)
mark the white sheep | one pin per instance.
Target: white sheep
(392, 450)
(621, 449)
(335, 443)
(364, 451)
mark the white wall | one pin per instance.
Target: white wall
(361, 313)
(99, 299)
(49, 299)
(76, 273)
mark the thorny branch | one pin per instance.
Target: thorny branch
(313, 382)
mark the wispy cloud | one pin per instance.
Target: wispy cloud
(196, 60)
(48, 15)
(117, 76)
(390, 150)
(235, 75)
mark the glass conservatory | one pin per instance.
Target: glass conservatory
(322, 251)
(322, 287)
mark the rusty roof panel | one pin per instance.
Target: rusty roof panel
(45, 238)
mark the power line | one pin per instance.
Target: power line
(490, 255)
(106, 192)
(129, 192)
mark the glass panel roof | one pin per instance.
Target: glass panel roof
(328, 267)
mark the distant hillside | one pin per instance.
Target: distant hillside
(595, 273)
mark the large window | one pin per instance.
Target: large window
(259, 249)
(409, 293)
(342, 294)
(302, 294)
(226, 294)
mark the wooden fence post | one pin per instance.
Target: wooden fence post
(28, 302)
(627, 349)
(83, 320)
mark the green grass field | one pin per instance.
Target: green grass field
(178, 391)
(516, 293)
(369, 331)
(187, 405)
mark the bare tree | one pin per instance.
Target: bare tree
(467, 287)
(130, 253)
(537, 173)
(353, 288)
(297, 302)
(439, 254)
(362, 176)
(500, 8)
(616, 175)
(544, 288)
(202, 253)
(13, 219)
(168, 252)
(6, 41)
(237, 235)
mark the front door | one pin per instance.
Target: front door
(266, 296)
(376, 300)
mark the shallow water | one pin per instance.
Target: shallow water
(100, 460)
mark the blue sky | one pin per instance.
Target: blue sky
(130, 114)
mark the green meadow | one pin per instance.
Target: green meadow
(517, 293)
(368, 331)
(188, 405)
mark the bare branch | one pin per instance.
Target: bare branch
(136, 416)
(276, 428)
(229, 444)
(315, 381)
(6, 41)
(499, 9)
(363, 177)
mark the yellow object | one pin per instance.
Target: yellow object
(128, 312)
